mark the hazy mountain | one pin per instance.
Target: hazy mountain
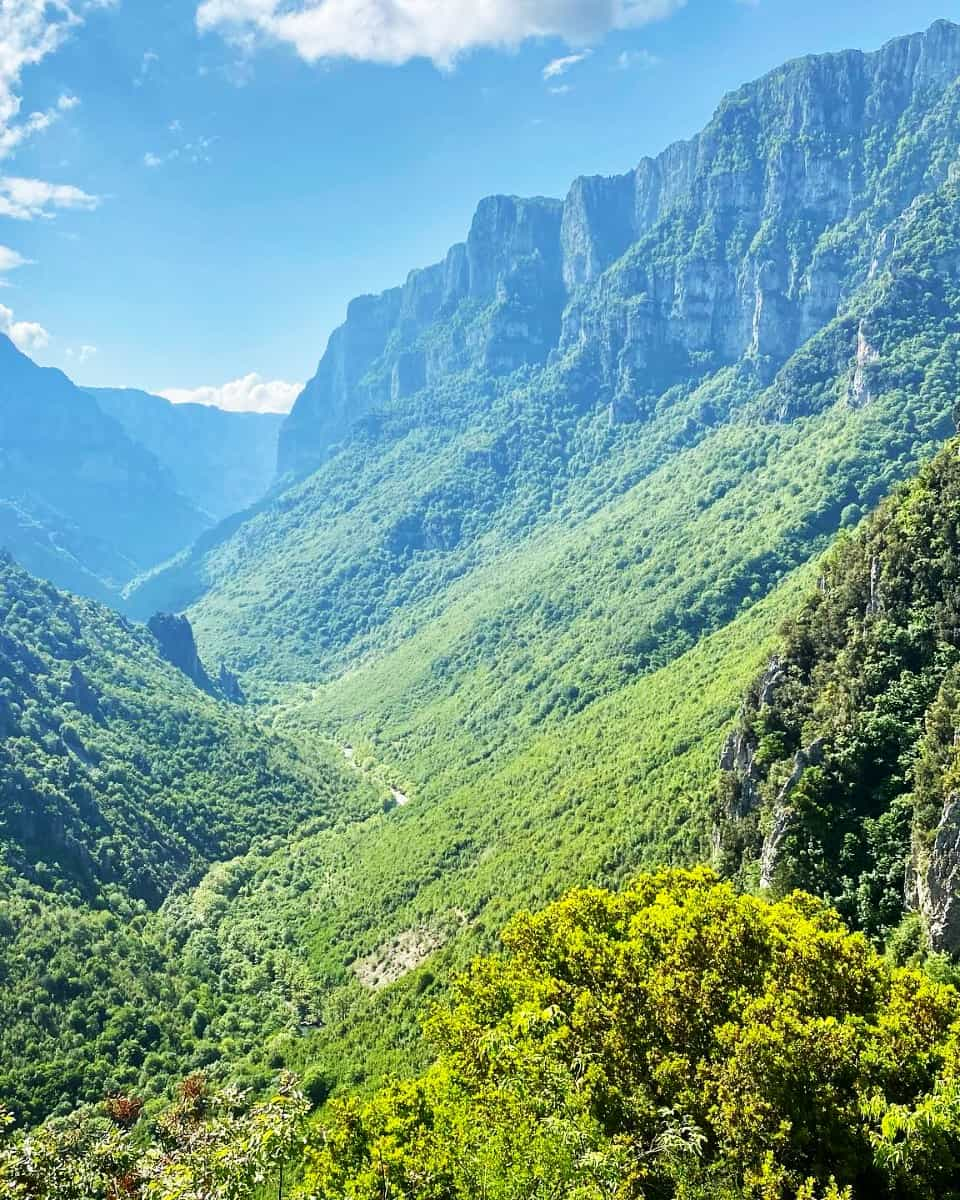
(221, 462)
(81, 502)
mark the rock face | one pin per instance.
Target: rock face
(741, 243)
(505, 283)
(935, 872)
(782, 813)
(175, 638)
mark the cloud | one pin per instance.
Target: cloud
(27, 199)
(82, 355)
(196, 151)
(11, 259)
(560, 66)
(395, 31)
(628, 59)
(29, 31)
(252, 393)
(147, 63)
(28, 336)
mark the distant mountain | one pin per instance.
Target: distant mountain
(81, 502)
(221, 462)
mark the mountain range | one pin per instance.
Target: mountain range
(626, 537)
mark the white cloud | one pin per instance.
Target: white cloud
(82, 355)
(196, 151)
(628, 59)
(395, 31)
(28, 336)
(560, 66)
(252, 393)
(147, 63)
(11, 259)
(25, 199)
(30, 30)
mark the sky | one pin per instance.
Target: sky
(192, 190)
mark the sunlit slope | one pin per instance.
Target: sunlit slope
(625, 783)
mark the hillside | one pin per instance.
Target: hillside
(546, 506)
(626, 538)
(81, 503)
(602, 429)
(841, 776)
(121, 783)
(221, 462)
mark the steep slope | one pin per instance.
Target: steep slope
(841, 777)
(80, 502)
(377, 917)
(221, 462)
(524, 525)
(546, 503)
(121, 782)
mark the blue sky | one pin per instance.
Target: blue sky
(200, 186)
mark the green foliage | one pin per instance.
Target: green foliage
(121, 783)
(673, 1039)
(209, 1144)
(867, 674)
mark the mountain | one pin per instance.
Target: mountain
(841, 776)
(81, 503)
(541, 515)
(544, 507)
(121, 783)
(221, 462)
(602, 428)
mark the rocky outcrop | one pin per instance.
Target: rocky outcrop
(505, 283)
(935, 877)
(178, 646)
(781, 818)
(859, 394)
(229, 686)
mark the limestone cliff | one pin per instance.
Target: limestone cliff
(740, 243)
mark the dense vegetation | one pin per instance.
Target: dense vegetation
(121, 783)
(845, 756)
(674, 1039)
(494, 642)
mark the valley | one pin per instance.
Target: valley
(535, 757)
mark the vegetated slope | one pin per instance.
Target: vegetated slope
(222, 462)
(81, 503)
(375, 918)
(842, 775)
(672, 1039)
(550, 473)
(119, 782)
(591, 502)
